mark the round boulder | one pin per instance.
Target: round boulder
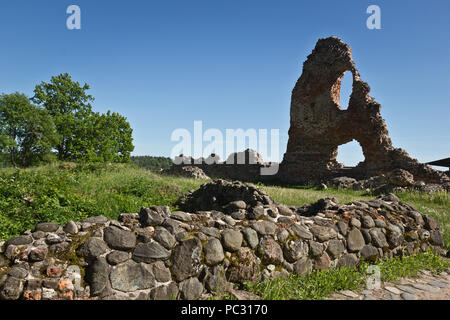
(355, 240)
(119, 239)
(213, 252)
(271, 251)
(93, 248)
(232, 240)
(132, 276)
(187, 259)
(191, 289)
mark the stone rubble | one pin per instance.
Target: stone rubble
(397, 181)
(225, 233)
(187, 171)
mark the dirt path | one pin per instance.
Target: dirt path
(426, 287)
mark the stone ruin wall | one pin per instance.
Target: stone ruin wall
(228, 233)
(243, 166)
(319, 124)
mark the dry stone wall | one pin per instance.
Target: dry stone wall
(227, 233)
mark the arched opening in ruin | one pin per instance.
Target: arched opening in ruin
(350, 154)
(346, 89)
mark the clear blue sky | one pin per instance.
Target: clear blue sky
(233, 64)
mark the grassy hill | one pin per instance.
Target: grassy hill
(63, 192)
(68, 191)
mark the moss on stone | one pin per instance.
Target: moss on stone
(292, 237)
(190, 235)
(279, 268)
(71, 255)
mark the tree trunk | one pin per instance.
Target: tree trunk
(12, 155)
(60, 151)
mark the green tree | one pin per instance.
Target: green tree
(152, 163)
(108, 138)
(85, 135)
(113, 138)
(40, 136)
(69, 105)
(27, 132)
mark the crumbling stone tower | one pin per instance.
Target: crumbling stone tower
(319, 124)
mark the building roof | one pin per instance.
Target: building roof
(441, 163)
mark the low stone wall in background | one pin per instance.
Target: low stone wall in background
(227, 233)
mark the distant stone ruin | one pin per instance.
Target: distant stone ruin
(186, 171)
(244, 166)
(228, 233)
(319, 124)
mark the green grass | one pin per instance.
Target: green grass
(60, 193)
(321, 284)
(409, 266)
(313, 286)
(298, 196)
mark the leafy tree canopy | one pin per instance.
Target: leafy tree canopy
(84, 135)
(152, 163)
(27, 132)
(69, 105)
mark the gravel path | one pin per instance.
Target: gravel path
(426, 287)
